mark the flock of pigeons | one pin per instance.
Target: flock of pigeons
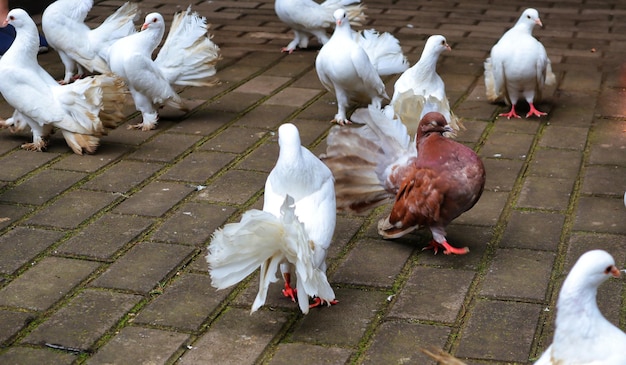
(402, 152)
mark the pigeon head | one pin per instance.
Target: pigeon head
(436, 44)
(592, 269)
(153, 20)
(341, 17)
(288, 137)
(433, 122)
(530, 18)
(17, 18)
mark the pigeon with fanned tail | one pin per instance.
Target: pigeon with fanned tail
(307, 18)
(81, 48)
(420, 85)
(82, 110)
(187, 58)
(582, 335)
(292, 233)
(351, 64)
(431, 181)
(518, 66)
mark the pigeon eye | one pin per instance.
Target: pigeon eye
(154, 20)
(11, 17)
(443, 43)
(528, 16)
(608, 269)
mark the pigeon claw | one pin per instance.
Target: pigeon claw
(142, 127)
(290, 292)
(341, 121)
(447, 248)
(535, 112)
(287, 49)
(318, 302)
(511, 114)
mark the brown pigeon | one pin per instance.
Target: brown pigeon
(444, 180)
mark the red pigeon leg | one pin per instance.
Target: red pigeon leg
(447, 248)
(317, 302)
(534, 111)
(289, 292)
(511, 114)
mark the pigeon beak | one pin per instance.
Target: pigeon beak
(615, 272)
(449, 129)
(538, 22)
(448, 48)
(144, 26)
(338, 22)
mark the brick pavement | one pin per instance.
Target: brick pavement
(102, 256)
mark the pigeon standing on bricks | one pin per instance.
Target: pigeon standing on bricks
(292, 232)
(518, 66)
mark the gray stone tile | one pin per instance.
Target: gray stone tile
(596, 214)
(521, 274)
(198, 167)
(45, 283)
(81, 322)
(28, 355)
(513, 146)
(564, 137)
(143, 267)
(305, 354)
(545, 193)
(156, 346)
(72, 209)
(37, 190)
(602, 180)
(165, 147)
(446, 290)
(533, 230)
(117, 179)
(562, 164)
(22, 244)
(501, 173)
(154, 199)
(11, 323)
(234, 187)
(18, 163)
(251, 332)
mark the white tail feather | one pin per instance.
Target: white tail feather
(383, 50)
(263, 240)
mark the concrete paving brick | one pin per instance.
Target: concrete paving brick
(138, 345)
(446, 290)
(305, 354)
(11, 322)
(373, 263)
(143, 267)
(184, 305)
(486, 211)
(116, 177)
(105, 236)
(22, 193)
(507, 145)
(501, 173)
(165, 147)
(562, 164)
(234, 187)
(262, 159)
(499, 330)
(234, 102)
(83, 320)
(45, 283)
(564, 137)
(106, 153)
(293, 96)
(234, 140)
(193, 223)
(263, 84)
(607, 145)
(545, 193)
(27, 355)
(12, 213)
(535, 230)
(154, 199)
(601, 180)
(599, 214)
(72, 209)
(342, 324)
(22, 244)
(19, 163)
(400, 343)
(241, 338)
(266, 116)
(198, 167)
(529, 279)
(572, 109)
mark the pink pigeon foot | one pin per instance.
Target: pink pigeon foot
(534, 111)
(288, 50)
(511, 114)
(317, 302)
(289, 292)
(447, 248)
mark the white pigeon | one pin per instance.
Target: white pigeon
(307, 18)
(582, 335)
(79, 46)
(293, 231)
(518, 66)
(421, 84)
(187, 58)
(80, 110)
(350, 64)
